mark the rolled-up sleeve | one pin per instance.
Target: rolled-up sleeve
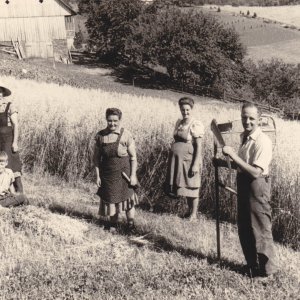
(263, 153)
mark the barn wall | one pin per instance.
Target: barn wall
(33, 29)
(31, 8)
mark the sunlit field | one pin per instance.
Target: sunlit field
(56, 247)
(289, 14)
(58, 124)
(267, 35)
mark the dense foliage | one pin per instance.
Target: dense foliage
(195, 49)
(192, 50)
(276, 83)
(109, 22)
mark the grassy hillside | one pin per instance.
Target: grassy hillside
(265, 36)
(57, 249)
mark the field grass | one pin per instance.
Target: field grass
(289, 14)
(56, 248)
(58, 124)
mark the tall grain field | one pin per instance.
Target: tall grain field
(58, 124)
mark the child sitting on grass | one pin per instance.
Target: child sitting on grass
(8, 196)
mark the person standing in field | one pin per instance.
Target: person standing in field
(253, 192)
(185, 160)
(115, 154)
(9, 134)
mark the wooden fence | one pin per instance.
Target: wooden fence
(291, 115)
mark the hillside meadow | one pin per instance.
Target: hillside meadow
(289, 14)
(58, 124)
(267, 35)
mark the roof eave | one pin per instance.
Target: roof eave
(67, 7)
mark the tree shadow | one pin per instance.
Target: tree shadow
(138, 76)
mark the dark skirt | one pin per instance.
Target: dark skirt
(6, 140)
(115, 194)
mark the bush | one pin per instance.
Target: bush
(275, 82)
(195, 49)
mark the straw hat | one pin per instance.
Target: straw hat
(6, 92)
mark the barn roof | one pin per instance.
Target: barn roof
(35, 8)
(67, 6)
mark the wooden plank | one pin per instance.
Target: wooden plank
(17, 51)
(70, 56)
(10, 52)
(6, 46)
(231, 98)
(21, 49)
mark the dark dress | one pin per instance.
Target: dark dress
(115, 194)
(6, 140)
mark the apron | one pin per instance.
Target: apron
(6, 140)
(114, 188)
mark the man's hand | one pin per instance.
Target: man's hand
(227, 150)
(14, 147)
(193, 170)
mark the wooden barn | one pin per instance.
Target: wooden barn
(44, 28)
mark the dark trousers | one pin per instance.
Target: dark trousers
(10, 200)
(254, 223)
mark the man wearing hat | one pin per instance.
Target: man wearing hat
(9, 133)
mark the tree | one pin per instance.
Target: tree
(275, 82)
(109, 23)
(194, 48)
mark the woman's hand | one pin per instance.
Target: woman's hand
(14, 147)
(193, 170)
(98, 182)
(133, 180)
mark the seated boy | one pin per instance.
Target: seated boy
(8, 196)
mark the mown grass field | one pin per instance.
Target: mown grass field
(56, 248)
(289, 14)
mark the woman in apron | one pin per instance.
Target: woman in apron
(9, 133)
(184, 165)
(115, 158)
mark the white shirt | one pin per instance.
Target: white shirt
(257, 150)
(6, 179)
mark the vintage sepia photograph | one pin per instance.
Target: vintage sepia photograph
(149, 149)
